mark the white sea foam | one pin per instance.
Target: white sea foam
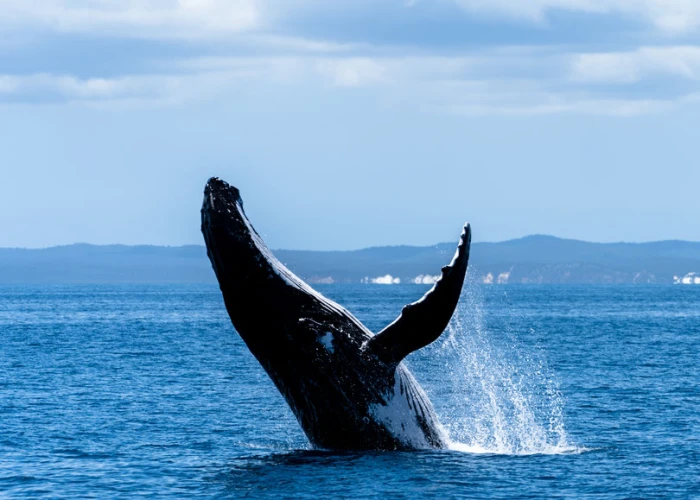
(503, 399)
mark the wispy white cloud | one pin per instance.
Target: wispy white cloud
(531, 10)
(140, 18)
(503, 80)
(353, 72)
(391, 70)
(633, 66)
(670, 16)
(67, 87)
(461, 85)
(156, 89)
(187, 19)
(295, 44)
(673, 16)
(339, 69)
(570, 104)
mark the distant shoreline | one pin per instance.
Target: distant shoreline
(529, 260)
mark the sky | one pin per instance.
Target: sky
(350, 123)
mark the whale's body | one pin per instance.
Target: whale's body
(347, 387)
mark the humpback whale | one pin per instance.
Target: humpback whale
(347, 388)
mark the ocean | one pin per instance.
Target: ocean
(546, 392)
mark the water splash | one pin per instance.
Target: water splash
(503, 397)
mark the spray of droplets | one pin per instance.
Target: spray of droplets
(503, 398)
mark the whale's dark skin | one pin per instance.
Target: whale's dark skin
(347, 387)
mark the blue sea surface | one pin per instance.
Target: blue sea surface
(546, 391)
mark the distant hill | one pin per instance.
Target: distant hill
(82, 263)
(534, 259)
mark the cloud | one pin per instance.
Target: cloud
(673, 16)
(352, 72)
(476, 84)
(132, 18)
(492, 81)
(505, 80)
(207, 19)
(47, 86)
(293, 44)
(523, 97)
(670, 16)
(633, 66)
(192, 79)
(367, 71)
(158, 89)
(531, 10)
(563, 104)
(341, 70)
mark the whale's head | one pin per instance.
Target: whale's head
(267, 303)
(241, 261)
(325, 362)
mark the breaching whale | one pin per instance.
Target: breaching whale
(347, 388)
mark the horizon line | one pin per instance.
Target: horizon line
(512, 240)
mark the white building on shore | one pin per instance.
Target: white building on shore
(688, 279)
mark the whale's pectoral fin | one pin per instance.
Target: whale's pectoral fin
(424, 321)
